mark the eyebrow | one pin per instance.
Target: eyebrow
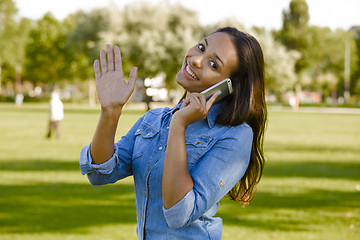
(215, 55)
(206, 42)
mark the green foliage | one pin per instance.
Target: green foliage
(7, 30)
(279, 64)
(84, 40)
(294, 34)
(46, 56)
(321, 63)
(154, 37)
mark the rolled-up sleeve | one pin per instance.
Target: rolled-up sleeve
(213, 176)
(86, 165)
(185, 206)
(117, 167)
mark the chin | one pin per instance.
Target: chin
(180, 79)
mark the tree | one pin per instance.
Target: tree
(47, 58)
(294, 33)
(279, 64)
(84, 40)
(7, 19)
(326, 59)
(153, 37)
(355, 77)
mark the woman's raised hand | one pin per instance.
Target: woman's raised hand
(113, 91)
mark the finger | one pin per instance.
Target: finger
(132, 78)
(185, 102)
(97, 69)
(103, 61)
(196, 100)
(202, 99)
(211, 101)
(110, 57)
(118, 62)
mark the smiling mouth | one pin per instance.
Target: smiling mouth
(191, 73)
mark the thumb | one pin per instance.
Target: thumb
(132, 77)
(211, 101)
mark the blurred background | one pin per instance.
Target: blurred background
(310, 54)
(311, 183)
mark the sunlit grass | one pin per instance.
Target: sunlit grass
(310, 187)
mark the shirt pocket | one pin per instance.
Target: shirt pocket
(196, 147)
(143, 137)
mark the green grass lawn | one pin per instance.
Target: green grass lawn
(310, 188)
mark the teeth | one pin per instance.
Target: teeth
(188, 70)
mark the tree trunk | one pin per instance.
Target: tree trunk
(92, 92)
(18, 70)
(0, 78)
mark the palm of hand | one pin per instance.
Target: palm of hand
(112, 89)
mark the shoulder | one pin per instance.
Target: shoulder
(239, 131)
(159, 111)
(155, 117)
(243, 129)
(235, 138)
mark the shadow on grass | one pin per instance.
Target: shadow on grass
(69, 207)
(309, 169)
(337, 168)
(314, 169)
(310, 148)
(39, 165)
(290, 212)
(64, 207)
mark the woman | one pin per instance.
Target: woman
(185, 159)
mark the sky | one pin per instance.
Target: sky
(260, 13)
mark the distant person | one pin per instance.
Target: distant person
(19, 99)
(185, 159)
(294, 102)
(56, 114)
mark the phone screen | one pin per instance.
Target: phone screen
(224, 86)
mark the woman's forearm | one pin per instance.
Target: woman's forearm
(176, 182)
(102, 145)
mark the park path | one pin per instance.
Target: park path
(336, 110)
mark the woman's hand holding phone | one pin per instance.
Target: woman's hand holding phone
(194, 108)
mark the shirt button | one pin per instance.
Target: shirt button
(160, 148)
(148, 134)
(167, 127)
(144, 192)
(221, 184)
(198, 142)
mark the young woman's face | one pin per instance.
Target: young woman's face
(208, 62)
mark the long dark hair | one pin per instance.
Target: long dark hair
(247, 105)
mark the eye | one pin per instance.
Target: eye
(213, 65)
(201, 47)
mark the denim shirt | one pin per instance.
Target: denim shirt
(217, 158)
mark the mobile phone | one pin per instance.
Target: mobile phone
(224, 86)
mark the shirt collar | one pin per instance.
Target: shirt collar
(211, 116)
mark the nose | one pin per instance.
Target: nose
(196, 61)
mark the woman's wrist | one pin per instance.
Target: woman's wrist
(178, 121)
(111, 114)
